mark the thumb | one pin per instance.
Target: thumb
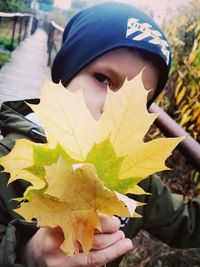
(52, 238)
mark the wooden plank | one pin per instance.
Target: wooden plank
(17, 14)
(23, 76)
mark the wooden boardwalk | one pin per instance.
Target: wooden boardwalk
(24, 74)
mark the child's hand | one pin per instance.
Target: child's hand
(43, 248)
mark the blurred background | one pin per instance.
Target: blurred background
(180, 20)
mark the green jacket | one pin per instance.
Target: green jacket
(166, 216)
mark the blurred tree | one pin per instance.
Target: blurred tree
(14, 5)
(181, 98)
(47, 2)
(57, 15)
(78, 4)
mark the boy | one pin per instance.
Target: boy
(102, 45)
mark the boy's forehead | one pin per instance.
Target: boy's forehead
(121, 55)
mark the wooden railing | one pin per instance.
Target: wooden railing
(16, 26)
(54, 40)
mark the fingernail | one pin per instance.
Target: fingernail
(128, 244)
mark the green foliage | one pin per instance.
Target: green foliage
(14, 5)
(109, 166)
(6, 43)
(4, 57)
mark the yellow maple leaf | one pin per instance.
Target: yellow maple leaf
(66, 119)
(148, 158)
(75, 196)
(76, 225)
(125, 119)
(20, 158)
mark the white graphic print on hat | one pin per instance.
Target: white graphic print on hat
(143, 32)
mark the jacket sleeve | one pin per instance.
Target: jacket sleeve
(14, 231)
(169, 217)
(14, 237)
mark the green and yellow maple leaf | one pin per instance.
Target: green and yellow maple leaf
(109, 156)
(75, 199)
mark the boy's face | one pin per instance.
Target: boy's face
(112, 69)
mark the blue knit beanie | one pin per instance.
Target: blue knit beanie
(104, 27)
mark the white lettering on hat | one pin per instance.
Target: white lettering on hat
(144, 30)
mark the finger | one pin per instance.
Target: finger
(109, 224)
(101, 257)
(52, 238)
(102, 241)
(55, 258)
(43, 248)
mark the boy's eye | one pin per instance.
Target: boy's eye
(102, 78)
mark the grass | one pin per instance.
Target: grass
(6, 49)
(4, 57)
(6, 43)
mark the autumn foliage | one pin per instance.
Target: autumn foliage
(181, 99)
(87, 166)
